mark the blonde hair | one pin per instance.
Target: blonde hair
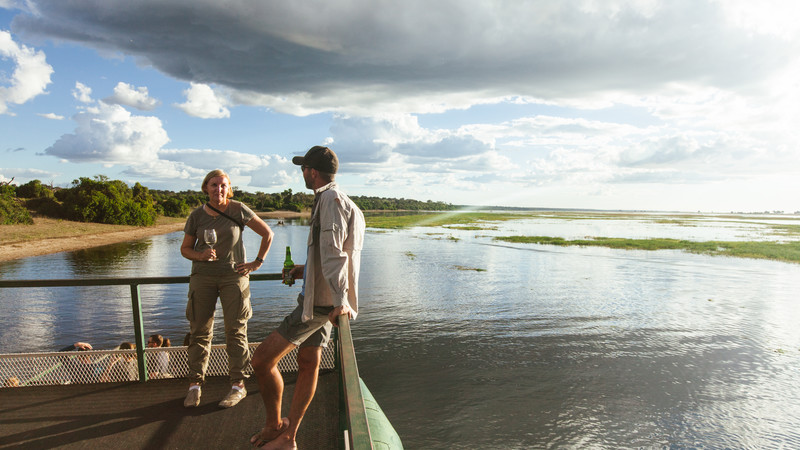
(213, 174)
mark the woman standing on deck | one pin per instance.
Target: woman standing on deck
(219, 270)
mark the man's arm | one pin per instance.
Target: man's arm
(333, 258)
(333, 316)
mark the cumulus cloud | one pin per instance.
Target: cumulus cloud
(110, 134)
(82, 93)
(30, 77)
(203, 102)
(164, 170)
(135, 97)
(256, 171)
(51, 116)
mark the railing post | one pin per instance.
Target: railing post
(351, 382)
(138, 330)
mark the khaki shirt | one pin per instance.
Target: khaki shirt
(335, 240)
(229, 246)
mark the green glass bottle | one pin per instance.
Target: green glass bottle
(288, 265)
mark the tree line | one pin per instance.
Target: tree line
(102, 200)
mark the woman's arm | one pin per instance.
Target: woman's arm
(188, 251)
(266, 233)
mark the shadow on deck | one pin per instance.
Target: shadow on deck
(151, 416)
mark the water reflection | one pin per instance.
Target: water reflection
(471, 344)
(100, 260)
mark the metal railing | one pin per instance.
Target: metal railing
(112, 366)
(356, 427)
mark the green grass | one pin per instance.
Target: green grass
(469, 228)
(786, 229)
(778, 251)
(438, 219)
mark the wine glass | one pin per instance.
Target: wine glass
(210, 236)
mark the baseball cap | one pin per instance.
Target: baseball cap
(320, 158)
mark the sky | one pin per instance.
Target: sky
(682, 105)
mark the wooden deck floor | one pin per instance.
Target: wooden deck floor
(151, 416)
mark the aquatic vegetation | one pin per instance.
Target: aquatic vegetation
(786, 229)
(470, 228)
(779, 251)
(475, 269)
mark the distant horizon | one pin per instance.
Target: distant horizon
(490, 207)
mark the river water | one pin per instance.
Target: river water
(471, 343)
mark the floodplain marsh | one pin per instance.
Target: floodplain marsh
(773, 237)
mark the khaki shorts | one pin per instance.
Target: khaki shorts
(314, 333)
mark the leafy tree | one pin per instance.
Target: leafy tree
(175, 207)
(112, 201)
(104, 201)
(34, 189)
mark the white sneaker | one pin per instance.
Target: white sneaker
(233, 397)
(192, 398)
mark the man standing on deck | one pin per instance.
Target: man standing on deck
(330, 289)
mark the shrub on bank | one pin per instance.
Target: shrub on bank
(34, 189)
(12, 212)
(110, 202)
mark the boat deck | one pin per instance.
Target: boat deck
(152, 416)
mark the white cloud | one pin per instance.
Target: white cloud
(256, 171)
(110, 134)
(202, 101)
(129, 95)
(164, 170)
(51, 116)
(82, 93)
(776, 17)
(31, 73)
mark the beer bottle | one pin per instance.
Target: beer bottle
(288, 265)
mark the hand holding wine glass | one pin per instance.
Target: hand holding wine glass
(210, 236)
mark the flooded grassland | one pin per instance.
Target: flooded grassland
(748, 236)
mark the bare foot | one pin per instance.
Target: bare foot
(280, 443)
(268, 434)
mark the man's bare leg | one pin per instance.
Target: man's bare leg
(308, 360)
(270, 384)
